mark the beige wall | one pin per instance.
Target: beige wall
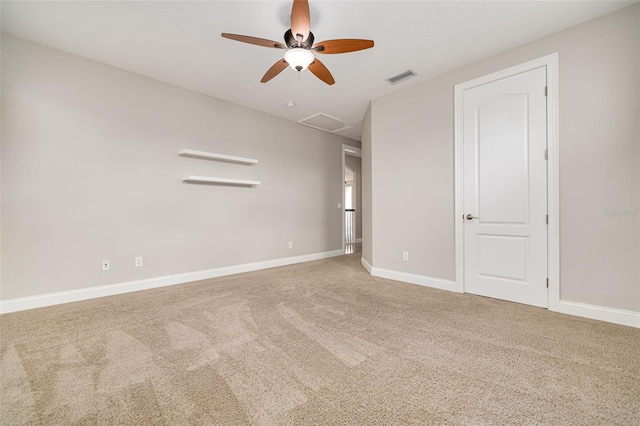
(355, 164)
(90, 171)
(409, 164)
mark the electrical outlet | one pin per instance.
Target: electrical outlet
(105, 265)
(138, 262)
(290, 244)
(405, 256)
(339, 205)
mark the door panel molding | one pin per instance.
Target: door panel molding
(550, 63)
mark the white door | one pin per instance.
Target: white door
(505, 189)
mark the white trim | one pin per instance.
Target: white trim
(366, 264)
(39, 301)
(553, 199)
(553, 184)
(415, 279)
(344, 164)
(458, 185)
(601, 313)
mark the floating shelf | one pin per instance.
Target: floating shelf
(212, 156)
(225, 181)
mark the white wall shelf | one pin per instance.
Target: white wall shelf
(221, 157)
(224, 181)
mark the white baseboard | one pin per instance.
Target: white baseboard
(366, 264)
(415, 279)
(601, 313)
(39, 301)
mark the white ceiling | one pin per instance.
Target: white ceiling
(179, 42)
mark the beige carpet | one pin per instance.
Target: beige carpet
(315, 343)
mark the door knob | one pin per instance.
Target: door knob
(471, 217)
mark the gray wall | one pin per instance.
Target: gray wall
(355, 164)
(90, 171)
(409, 164)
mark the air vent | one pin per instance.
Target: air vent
(401, 77)
(325, 123)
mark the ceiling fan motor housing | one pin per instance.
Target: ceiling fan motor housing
(291, 41)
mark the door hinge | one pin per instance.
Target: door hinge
(546, 154)
(547, 282)
(547, 219)
(546, 91)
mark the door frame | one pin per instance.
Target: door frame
(553, 200)
(354, 152)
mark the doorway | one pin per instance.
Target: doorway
(504, 197)
(351, 199)
(350, 194)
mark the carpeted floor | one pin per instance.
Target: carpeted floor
(315, 343)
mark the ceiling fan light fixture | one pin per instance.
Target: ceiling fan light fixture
(299, 58)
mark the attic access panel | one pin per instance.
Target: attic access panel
(326, 123)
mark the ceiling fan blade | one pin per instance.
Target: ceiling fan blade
(300, 19)
(254, 40)
(320, 71)
(276, 69)
(343, 45)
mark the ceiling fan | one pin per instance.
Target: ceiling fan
(299, 47)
